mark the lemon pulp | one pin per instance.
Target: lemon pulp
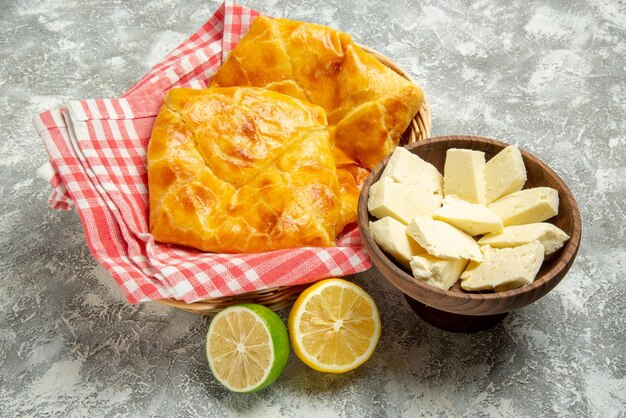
(334, 326)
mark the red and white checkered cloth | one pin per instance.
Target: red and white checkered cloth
(97, 151)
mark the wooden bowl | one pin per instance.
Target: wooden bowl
(456, 309)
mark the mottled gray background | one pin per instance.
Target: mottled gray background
(547, 75)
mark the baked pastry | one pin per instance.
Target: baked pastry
(368, 105)
(241, 169)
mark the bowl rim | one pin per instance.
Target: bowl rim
(566, 255)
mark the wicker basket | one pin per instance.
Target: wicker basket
(282, 297)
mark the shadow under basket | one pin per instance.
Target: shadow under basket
(278, 298)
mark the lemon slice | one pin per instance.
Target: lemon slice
(334, 326)
(247, 347)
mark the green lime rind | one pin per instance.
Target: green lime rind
(280, 342)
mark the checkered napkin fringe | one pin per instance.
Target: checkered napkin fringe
(97, 151)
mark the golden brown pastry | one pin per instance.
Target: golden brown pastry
(241, 170)
(368, 105)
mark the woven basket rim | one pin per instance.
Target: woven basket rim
(278, 298)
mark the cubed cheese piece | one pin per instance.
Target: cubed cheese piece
(422, 179)
(468, 217)
(527, 206)
(438, 272)
(391, 237)
(505, 173)
(464, 175)
(388, 198)
(551, 237)
(443, 240)
(504, 268)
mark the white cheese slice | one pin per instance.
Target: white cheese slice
(443, 240)
(551, 237)
(504, 268)
(421, 179)
(391, 237)
(464, 175)
(527, 206)
(505, 173)
(468, 217)
(438, 272)
(388, 198)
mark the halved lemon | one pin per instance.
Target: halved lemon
(334, 326)
(247, 347)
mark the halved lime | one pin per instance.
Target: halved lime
(247, 347)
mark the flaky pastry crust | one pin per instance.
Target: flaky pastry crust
(241, 170)
(368, 105)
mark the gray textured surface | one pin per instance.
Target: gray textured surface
(548, 75)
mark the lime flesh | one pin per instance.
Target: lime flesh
(247, 347)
